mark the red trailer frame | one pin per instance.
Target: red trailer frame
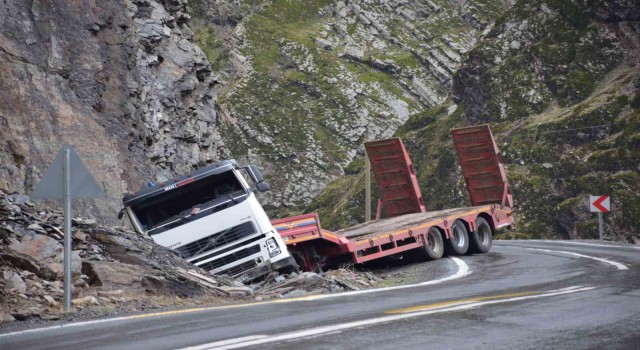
(407, 221)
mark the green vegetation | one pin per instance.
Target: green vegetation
(207, 39)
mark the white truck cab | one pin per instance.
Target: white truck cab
(213, 219)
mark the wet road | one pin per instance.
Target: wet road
(523, 294)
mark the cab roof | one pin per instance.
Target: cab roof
(152, 191)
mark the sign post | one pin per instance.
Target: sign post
(67, 229)
(367, 185)
(67, 178)
(599, 204)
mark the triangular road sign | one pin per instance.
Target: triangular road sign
(83, 185)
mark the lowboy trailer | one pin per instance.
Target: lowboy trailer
(407, 224)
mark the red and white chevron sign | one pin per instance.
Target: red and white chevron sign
(600, 204)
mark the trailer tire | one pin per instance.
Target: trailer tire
(433, 246)
(481, 240)
(458, 243)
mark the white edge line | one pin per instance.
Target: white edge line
(384, 319)
(67, 325)
(606, 261)
(226, 342)
(560, 241)
(589, 244)
(463, 270)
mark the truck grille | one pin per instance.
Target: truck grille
(236, 270)
(228, 259)
(217, 239)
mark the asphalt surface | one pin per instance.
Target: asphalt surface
(521, 295)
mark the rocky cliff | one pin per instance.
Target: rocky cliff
(559, 82)
(121, 80)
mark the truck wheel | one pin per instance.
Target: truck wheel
(433, 247)
(482, 238)
(458, 243)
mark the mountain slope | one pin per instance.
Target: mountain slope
(559, 82)
(304, 82)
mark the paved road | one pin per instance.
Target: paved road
(522, 295)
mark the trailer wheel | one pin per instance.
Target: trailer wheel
(458, 243)
(433, 247)
(482, 238)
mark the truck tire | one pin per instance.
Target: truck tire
(458, 243)
(481, 240)
(433, 247)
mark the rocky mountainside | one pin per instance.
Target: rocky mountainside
(121, 80)
(113, 270)
(303, 83)
(559, 81)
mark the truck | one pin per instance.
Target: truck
(407, 225)
(212, 218)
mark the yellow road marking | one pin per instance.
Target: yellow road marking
(312, 297)
(221, 307)
(455, 302)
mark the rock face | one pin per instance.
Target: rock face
(560, 84)
(120, 80)
(304, 82)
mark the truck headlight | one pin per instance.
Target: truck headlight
(273, 248)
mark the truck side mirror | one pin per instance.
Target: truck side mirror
(257, 178)
(121, 214)
(263, 186)
(254, 174)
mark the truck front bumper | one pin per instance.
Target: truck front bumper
(265, 268)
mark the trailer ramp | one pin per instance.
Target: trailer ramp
(396, 178)
(482, 166)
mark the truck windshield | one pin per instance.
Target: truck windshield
(193, 198)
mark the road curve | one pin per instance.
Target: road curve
(523, 294)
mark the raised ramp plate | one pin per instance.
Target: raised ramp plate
(395, 176)
(482, 166)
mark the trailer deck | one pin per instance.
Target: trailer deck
(407, 223)
(402, 223)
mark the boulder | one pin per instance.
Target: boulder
(84, 302)
(323, 43)
(13, 281)
(353, 53)
(113, 274)
(50, 300)
(6, 318)
(47, 253)
(80, 236)
(20, 261)
(25, 314)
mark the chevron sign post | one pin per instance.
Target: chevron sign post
(599, 204)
